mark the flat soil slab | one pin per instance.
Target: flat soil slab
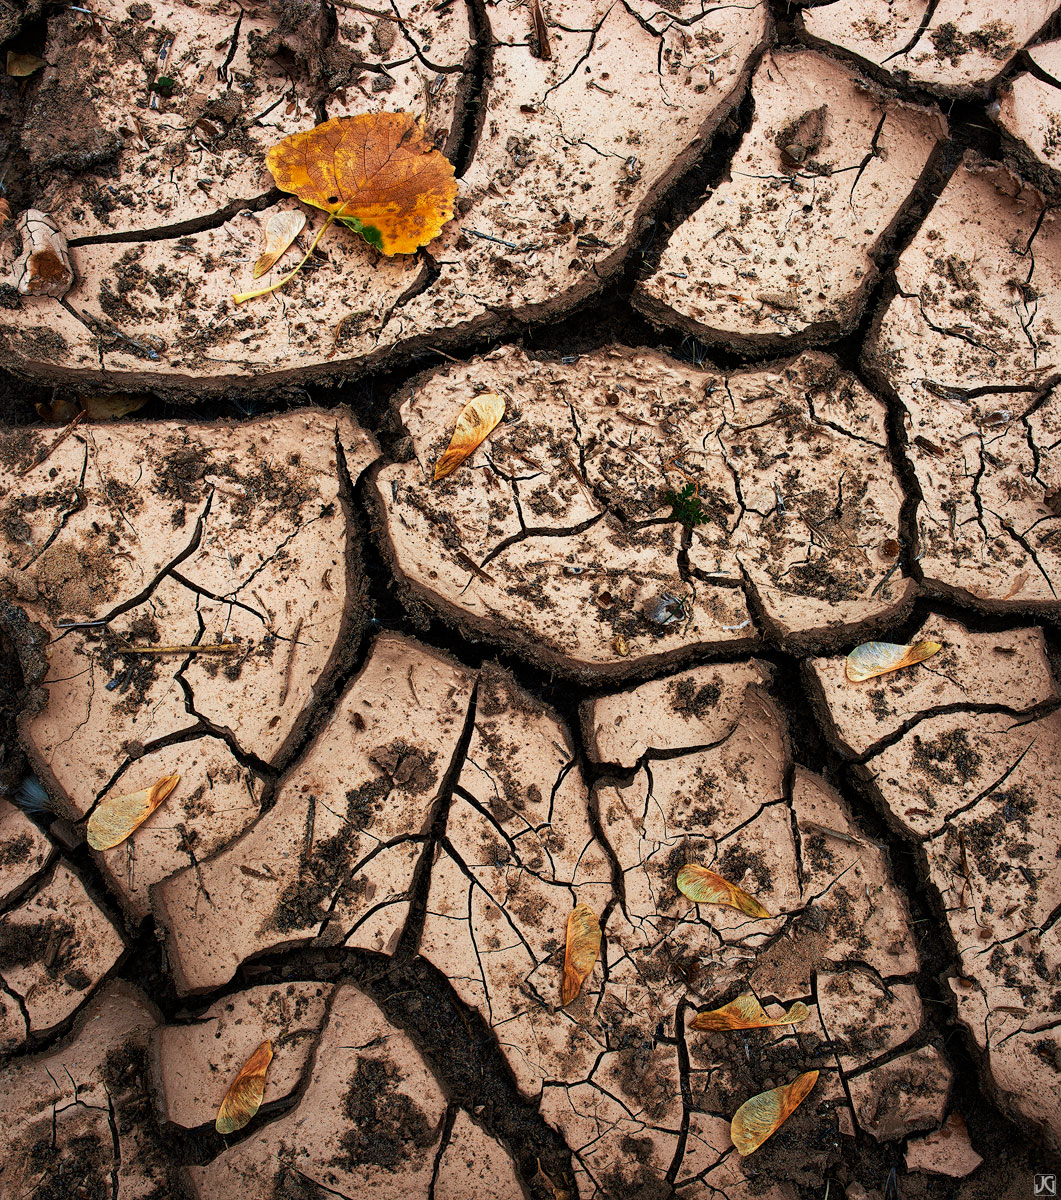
(24, 851)
(784, 250)
(955, 47)
(973, 670)
(947, 1151)
(55, 948)
(579, 141)
(78, 1118)
(693, 708)
(557, 537)
(215, 800)
(333, 858)
(1028, 112)
(903, 1095)
(520, 849)
(128, 160)
(194, 1064)
(970, 347)
(980, 791)
(172, 533)
(369, 1123)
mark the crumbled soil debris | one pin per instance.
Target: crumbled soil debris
(386, 1126)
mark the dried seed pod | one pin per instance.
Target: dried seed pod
(706, 887)
(43, 268)
(879, 658)
(582, 951)
(280, 231)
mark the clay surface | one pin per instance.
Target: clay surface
(206, 534)
(769, 296)
(973, 670)
(1029, 113)
(519, 850)
(195, 1063)
(574, 149)
(969, 349)
(55, 948)
(78, 1117)
(369, 1121)
(976, 787)
(24, 850)
(955, 47)
(785, 248)
(558, 532)
(947, 1151)
(335, 854)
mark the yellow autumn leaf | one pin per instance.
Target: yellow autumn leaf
(582, 951)
(705, 887)
(244, 1097)
(763, 1115)
(280, 231)
(878, 658)
(747, 1013)
(477, 420)
(377, 173)
(115, 818)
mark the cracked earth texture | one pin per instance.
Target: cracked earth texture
(771, 293)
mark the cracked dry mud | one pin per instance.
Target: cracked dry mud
(809, 396)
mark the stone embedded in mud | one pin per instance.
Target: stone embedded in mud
(572, 155)
(973, 669)
(333, 858)
(172, 533)
(902, 1095)
(55, 947)
(947, 1151)
(557, 536)
(784, 249)
(1029, 114)
(24, 850)
(970, 346)
(369, 1121)
(955, 47)
(78, 1119)
(194, 1064)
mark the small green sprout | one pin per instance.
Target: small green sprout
(685, 506)
(164, 85)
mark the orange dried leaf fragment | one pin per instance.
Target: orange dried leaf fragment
(879, 658)
(477, 420)
(115, 818)
(377, 173)
(762, 1116)
(582, 952)
(244, 1097)
(747, 1013)
(705, 887)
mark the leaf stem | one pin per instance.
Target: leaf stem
(239, 297)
